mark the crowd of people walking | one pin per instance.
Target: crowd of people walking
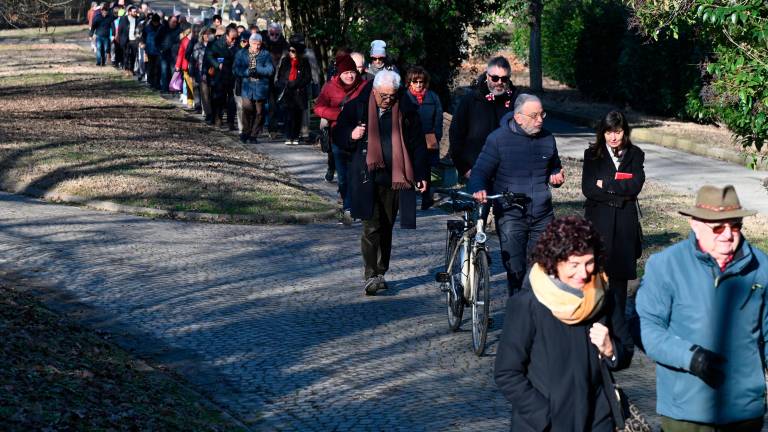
(701, 307)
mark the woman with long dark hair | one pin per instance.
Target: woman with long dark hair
(562, 336)
(612, 179)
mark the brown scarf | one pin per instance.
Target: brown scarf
(402, 170)
(567, 307)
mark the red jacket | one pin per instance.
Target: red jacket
(181, 59)
(331, 96)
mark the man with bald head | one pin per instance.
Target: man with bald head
(519, 157)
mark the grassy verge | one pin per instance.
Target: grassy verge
(70, 127)
(662, 225)
(57, 375)
(39, 32)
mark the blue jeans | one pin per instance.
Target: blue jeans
(341, 159)
(518, 234)
(102, 44)
(166, 67)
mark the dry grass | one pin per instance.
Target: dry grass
(37, 32)
(661, 222)
(70, 127)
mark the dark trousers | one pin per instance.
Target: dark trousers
(131, 49)
(153, 71)
(672, 425)
(341, 164)
(274, 112)
(293, 117)
(119, 54)
(518, 234)
(376, 241)
(167, 63)
(253, 116)
(205, 99)
(223, 100)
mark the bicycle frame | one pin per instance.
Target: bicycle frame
(472, 241)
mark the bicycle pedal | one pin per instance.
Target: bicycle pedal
(442, 277)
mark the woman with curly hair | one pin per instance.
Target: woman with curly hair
(557, 331)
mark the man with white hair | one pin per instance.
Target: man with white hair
(389, 155)
(519, 157)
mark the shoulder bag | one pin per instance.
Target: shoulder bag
(626, 415)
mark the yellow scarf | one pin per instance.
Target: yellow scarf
(568, 308)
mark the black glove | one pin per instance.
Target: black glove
(252, 73)
(707, 365)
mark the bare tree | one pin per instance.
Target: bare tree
(26, 13)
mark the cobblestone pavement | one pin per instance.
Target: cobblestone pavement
(271, 321)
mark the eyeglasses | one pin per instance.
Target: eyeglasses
(535, 116)
(378, 59)
(720, 228)
(496, 78)
(293, 50)
(387, 96)
(417, 81)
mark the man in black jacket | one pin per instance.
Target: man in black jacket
(478, 114)
(383, 131)
(167, 39)
(102, 23)
(220, 55)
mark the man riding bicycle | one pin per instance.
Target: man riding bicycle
(520, 156)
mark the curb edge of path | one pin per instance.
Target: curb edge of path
(668, 140)
(282, 217)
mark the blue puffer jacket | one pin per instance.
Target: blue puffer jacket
(684, 300)
(431, 113)
(517, 162)
(256, 87)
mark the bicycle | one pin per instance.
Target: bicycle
(466, 279)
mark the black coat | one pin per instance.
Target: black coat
(550, 371)
(473, 120)
(215, 50)
(359, 182)
(613, 209)
(295, 96)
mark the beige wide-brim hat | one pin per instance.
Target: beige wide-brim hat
(714, 204)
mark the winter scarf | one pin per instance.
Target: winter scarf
(419, 95)
(402, 170)
(569, 305)
(294, 69)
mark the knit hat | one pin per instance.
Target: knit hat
(378, 48)
(255, 37)
(345, 63)
(714, 204)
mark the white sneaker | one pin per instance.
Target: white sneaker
(346, 218)
(288, 142)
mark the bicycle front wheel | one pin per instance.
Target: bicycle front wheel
(481, 303)
(454, 293)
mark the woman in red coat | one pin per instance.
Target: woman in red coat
(182, 65)
(343, 87)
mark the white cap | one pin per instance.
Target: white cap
(379, 48)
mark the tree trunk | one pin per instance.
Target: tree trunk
(534, 51)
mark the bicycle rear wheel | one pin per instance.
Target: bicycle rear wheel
(454, 293)
(481, 303)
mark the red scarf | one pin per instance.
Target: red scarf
(294, 69)
(419, 95)
(402, 170)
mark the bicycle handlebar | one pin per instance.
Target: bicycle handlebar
(508, 195)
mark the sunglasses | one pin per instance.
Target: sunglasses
(720, 228)
(496, 78)
(293, 50)
(378, 59)
(417, 81)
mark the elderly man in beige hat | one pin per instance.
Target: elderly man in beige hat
(704, 320)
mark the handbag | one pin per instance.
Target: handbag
(176, 82)
(626, 415)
